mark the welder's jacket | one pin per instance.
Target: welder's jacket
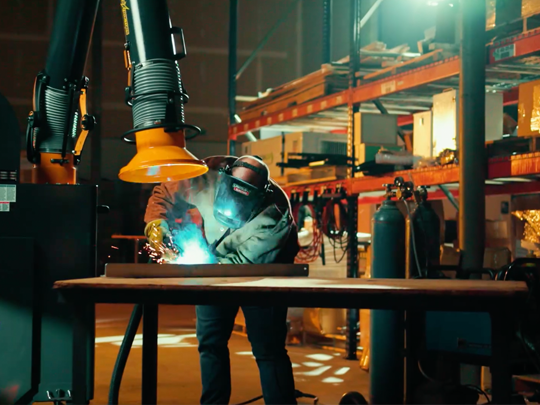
(270, 237)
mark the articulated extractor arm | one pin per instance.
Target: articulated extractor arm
(58, 90)
(155, 93)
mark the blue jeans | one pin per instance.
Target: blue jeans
(267, 333)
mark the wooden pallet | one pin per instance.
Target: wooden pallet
(317, 84)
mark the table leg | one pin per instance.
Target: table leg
(149, 354)
(80, 359)
(502, 332)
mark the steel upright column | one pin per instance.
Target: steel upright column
(472, 162)
(352, 246)
(327, 31)
(233, 44)
(96, 86)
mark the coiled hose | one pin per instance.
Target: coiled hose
(153, 84)
(56, 106)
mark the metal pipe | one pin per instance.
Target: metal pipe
(327, 32)
(233, 48)
(265, 40)
(370, 12)
(472, 162)
(70, 41)
(96, 86)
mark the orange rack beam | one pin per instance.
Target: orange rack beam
(512, 166)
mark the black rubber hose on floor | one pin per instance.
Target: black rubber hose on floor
(123, 354)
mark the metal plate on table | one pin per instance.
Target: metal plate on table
(154, 270)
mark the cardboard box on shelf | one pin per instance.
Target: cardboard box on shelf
(529, 8)
(269, 150)
(274, 150)
(529, 109)
(423, 134)
(446, 119)
(376, 128)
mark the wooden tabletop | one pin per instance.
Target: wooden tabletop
(473, 295)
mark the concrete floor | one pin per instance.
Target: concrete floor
(323, 373)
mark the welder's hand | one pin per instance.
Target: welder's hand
(157, 231)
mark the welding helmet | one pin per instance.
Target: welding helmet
(236, 201)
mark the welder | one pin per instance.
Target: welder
(246, 220)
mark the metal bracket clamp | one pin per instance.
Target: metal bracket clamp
(88, 122)
(59, 397)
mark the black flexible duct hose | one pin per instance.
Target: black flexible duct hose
(123, 354)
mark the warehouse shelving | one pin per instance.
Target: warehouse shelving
(517, 54)
(509, 62)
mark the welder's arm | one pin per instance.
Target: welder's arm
(165, 205)
(260, 241)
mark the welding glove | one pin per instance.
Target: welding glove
(157, 231)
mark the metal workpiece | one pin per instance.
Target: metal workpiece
(387, 349)
(154, 270)
(472, 161)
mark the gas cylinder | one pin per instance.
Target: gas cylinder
(425, 227)
(387, 327)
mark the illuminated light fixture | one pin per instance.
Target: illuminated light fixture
(161, 157)
(317, 163)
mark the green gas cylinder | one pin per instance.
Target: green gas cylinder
(387, 327)
(424, 240)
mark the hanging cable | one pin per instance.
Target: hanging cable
(310, 253)
(335, 227)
